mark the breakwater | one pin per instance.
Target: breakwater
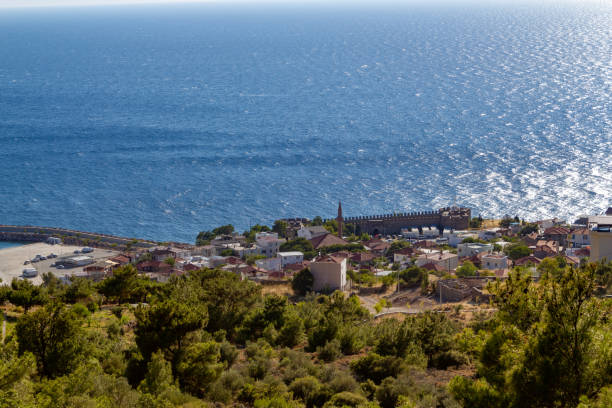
(28, 233)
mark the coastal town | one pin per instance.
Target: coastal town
(404, 261)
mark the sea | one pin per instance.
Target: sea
(8, 244)
(161, 121)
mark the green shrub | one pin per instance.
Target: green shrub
(330, 351)
(345, 399)
(376, 367)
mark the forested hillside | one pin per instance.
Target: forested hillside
(208, 338)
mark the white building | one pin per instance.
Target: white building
(430, 232)
(446, 260)
(311, 232)
(489, 234)
(268, 243)
(473, 248)
(601, 237)
(410, 233)
(457, 237)
(494, 262)
(290, 258)
(580, 238)
(269, 264)
(329, 273)
(404, 256)
(77, 261)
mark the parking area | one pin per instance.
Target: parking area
(12, 260)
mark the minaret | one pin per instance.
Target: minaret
(340, 219)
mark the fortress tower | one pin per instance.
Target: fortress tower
(340, 219)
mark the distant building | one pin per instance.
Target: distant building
(76, 261)
(558, 234)
(546, 249)
(601, 237)
(329, 273)
(404, 256)
(268, 243)
(494, 262)
(377, 246)
(311, 232)
(527, 261)
(446, 260)
(269, 264)
(579, 238)
(580, 253)
(97, 271)
(489, 234)
(54, 240)
(473, 248)
(289, 258)
(327, 240)
(456, 237)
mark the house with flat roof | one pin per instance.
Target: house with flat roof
(494, 262)
(329, 273)
(446, 260)
(601, 237)
(473, 248)
(290, 257)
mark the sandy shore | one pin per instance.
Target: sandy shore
(12, 259)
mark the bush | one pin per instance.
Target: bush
(330, 351)
(345, 399)
(467, 269)
(292, 332)
(376, 367)
(302, 282)
(352, 339)
(80, 310)
(228, 353)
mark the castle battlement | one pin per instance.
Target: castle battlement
(448, 217)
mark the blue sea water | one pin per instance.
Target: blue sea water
(8, 244)
(160, 121)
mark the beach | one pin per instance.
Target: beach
(12, 260)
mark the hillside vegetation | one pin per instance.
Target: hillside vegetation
(208, 338)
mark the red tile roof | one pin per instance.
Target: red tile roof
(434, 267)
(556, 231)
(122, 259)
(527, 259)
(327, 240)
(362, 257)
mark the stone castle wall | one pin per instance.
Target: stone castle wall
(450, 218)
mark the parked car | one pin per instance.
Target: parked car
(77, 251)
(34, 260)
(51, 256)
(60, 266)
(42, 258)
(26, 263)
(30, 272)
(87, 250)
